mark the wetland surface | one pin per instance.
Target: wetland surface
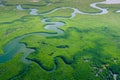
(48, 38)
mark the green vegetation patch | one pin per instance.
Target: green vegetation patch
(88, 50)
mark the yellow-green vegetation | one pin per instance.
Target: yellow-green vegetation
(32, 2)
(61, 13)
(76, 4)
(112, 7)
(89, 49)
(7, 13)
(19, 27)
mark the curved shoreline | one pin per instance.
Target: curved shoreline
(17, 47)
(9, 52)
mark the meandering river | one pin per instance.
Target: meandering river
(14, 46)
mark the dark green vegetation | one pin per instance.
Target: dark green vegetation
(88, 50)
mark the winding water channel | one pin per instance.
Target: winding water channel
(14, 46)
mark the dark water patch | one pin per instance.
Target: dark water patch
(57, 37)
(40, 64)
(62, 17)
(51, 54)
(62, 46)
(34, 5)
(114, 68)
(10, 4)
(115, 59)
(67, 61)
(34, 48)
(44, 43)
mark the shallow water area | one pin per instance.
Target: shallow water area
(52, 29)
(19, 7)
(112, 1)
(54, 26)
(34, 12)
(118, 11)
(1, 5)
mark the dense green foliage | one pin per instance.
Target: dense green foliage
(89, 49)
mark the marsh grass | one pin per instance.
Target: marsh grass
(92, 40)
